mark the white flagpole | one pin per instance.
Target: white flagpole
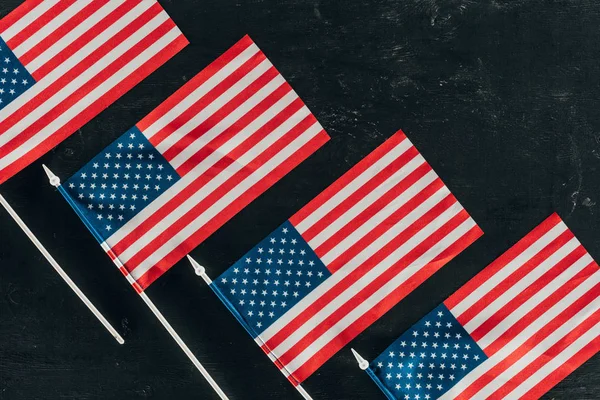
(55, 181)
(59, 270)
(201, 272)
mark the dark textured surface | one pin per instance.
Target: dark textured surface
(501, 97)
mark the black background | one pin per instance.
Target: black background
(501, 97)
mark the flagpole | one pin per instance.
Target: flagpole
(59, 270)
(201, 272)
(55, 181)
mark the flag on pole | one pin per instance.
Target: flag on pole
(513, 332)
(346, 258)
(204, 154)
(64, 61)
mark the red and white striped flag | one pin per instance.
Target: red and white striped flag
(204, 154)
(513, 332)
(64, 61)
(346, 258)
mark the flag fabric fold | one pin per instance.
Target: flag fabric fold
(514, 331)
(210, 149)
(64, 61)
(346, 258)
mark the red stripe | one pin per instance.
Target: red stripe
(260, 187)
(348, 177)
(258, 110)
(95, 108)
(382, 279)
(360, 193)
(522, 271)
(548, 356)
(107, 72)
(384, 201)
(367, 265)
(221, 114)
(39, 23)
(62, 31)
(202, 103)
(381, 229)
(189, 190)
(539, 310)
(123, 270)
(565, 369)
(496, 319)
(195, 83)
(348, 334)
(501, 261)
(540, 335)
(137, 287)
(87, 37)
(219, 192)
(18, 13)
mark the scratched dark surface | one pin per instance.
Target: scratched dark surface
(501, 97)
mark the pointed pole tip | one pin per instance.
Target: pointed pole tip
(199, 269)
(54, 180)
(362, 363)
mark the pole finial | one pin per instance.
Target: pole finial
(54, 180)
(362, 363)
(200, 270)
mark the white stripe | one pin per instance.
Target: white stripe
(210, 109)
(518, 287)
(40, 86)
(381, 294)
(207, 112)
(27, 19)
(223, 202)
(357, 262)
(200, 169)
(91, 97)
(243, 109)
(509, 268)
(379, 217)
(214, 184)
(533, 328)
(557, 361)
(76, 33)
(353, 186)
(534, 301)
(202, 90)
(50, 27)
(539, 350)
(365, 202)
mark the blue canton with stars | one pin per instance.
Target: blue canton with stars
(427, 360)
(119, 182)
(14, 78)
(271, 278)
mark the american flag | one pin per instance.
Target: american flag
(514, 331)
(64, 61)
(204, 154)
(346, 258)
